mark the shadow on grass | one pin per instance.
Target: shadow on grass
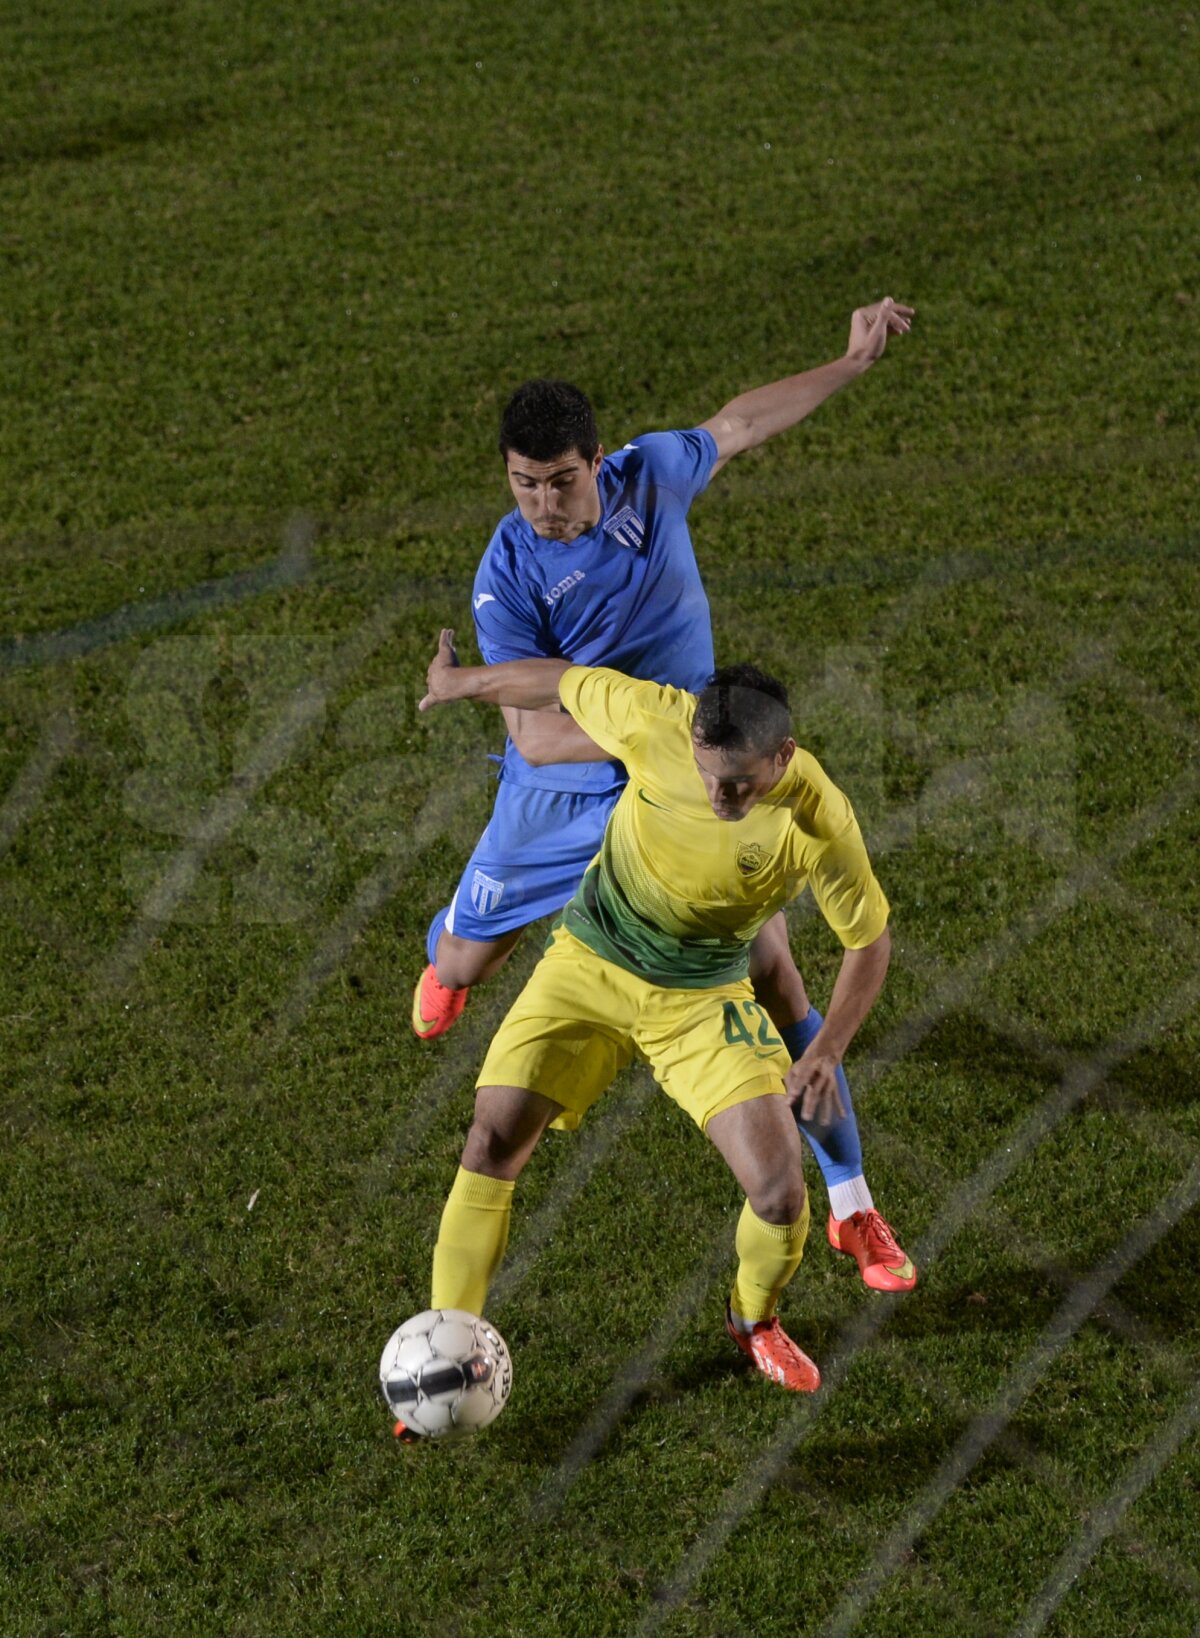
(101, 137)
(1160, 1080)
(1161, 1289)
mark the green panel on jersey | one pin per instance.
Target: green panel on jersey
(601, 917)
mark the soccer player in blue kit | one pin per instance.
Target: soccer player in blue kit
(596, 565)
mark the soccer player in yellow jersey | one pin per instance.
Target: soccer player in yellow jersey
(723, 821)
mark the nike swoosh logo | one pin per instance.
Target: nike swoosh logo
(484, 597)
(650, 802)
(905, 1270)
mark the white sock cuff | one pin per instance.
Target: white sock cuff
(847, 1198)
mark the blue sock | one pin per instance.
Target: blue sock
(837, 1147)
(435, 932)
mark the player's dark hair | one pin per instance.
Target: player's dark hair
(741, 708)
(545, 419)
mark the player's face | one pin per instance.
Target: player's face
(559, 498)
(735, 780)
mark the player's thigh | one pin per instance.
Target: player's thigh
(528, 861)
(569, 1031)
(711, 1049)
(760, 1143)
(773, 970)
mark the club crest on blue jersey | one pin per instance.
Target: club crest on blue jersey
(486, 893)
(626, 528)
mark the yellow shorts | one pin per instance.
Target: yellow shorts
(580, 1019)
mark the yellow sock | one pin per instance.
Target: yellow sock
(769, 1254)
(471, 1241)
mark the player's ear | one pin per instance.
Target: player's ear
(598, 459)
(785, 753)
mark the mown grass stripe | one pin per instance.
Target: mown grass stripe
(1075, 1311)
(291, 567)
(963, 1205)
(58, 740)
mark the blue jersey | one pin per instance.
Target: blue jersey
(627, 594)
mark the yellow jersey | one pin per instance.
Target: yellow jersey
(675, 894)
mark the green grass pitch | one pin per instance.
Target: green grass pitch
(269, 273)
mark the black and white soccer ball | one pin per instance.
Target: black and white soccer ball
(445, 1373)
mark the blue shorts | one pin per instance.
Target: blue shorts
(527, 863)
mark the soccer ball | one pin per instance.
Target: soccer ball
(445, 1373)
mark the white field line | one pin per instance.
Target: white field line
(303, 711)
(1173, 933)
(453, 1067)
(1153, 1348)
(1109, 1517)
(864, 1326)
(1052, 1472)
(293, 563)
(1074, 1312)
(375, 891)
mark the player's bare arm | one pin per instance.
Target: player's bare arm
(811, 1081)
(527, 684)
(755, 416)
(549, 736)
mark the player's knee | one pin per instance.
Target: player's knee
(491, 1150)
(778, 1197)
(509, 1120)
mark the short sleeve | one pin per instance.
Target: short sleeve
(618, 712)
(679, 461)
(846, 890)
(508, 625)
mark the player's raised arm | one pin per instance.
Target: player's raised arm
(550, 736)
(755, 416)
(527, 684)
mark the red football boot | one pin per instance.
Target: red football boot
(435, 1008)
(870, 1239)
(776, 1355)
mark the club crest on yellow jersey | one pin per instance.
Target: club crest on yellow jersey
(750, 858)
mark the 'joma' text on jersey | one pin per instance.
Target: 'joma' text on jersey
(555, 592)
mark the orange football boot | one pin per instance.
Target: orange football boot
(871, 1240)
(776, 1355)
(435, 1008)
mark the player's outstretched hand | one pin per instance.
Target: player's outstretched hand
(436, 678)
(871, 326)
(812, 1089)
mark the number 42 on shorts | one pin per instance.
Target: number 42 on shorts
(746, 1024)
